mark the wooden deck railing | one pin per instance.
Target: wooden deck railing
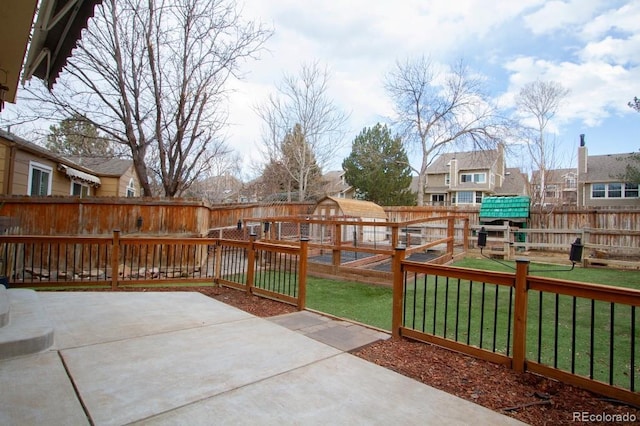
(115, 261)
(583, 334)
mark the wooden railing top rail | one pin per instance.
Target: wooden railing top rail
(289, 249)
(605, 293)
(478, 275)
(351, 220)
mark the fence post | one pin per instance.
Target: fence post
(398, 285)
(217, 263)
(507, 240)
(302, 274)
(251, 264)
(450, 235)
(465, 237)
(337, 242)
(115, 256)
(520, 316)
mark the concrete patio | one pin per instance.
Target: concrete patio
(184, 358)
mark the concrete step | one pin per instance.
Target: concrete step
(28, 329)
(4, 306)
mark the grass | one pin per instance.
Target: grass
(479, 314)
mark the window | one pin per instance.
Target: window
(80, 189)
(131, 190)
(630, 190)
(39, 183)
(478, 197)
(614, 190)
(570, 182)
(551, 191)
(473, 177)
(598, 190)
(437, 199)
(447, 179)
(465, 197)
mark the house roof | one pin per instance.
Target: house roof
(56, 33)
(514, 183)
(507, 208)
(471, 160)
(553, 176)
(57, 30)
(605, 168)
(356, 208)
(334, 184)
(112, 167)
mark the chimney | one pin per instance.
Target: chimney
(453, 173)
(582, 157)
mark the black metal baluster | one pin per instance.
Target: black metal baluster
(555, 333)
(611, 346)
(539, 325)
(469, 313)
(495, 318)
(435, 303)
(484, 285)
(591, 338)
(632, 367)
(415, 291)
(573, 336)
(446, 305)
(457, 310)
(509, 321)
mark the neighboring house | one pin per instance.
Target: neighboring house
(465, 178)
(560, 187)
(29, 169)
(223, 189)
(336, 186)
(599, 182)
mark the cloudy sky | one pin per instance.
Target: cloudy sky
(591, 47)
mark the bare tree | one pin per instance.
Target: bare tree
(540, 101)
(436, 109)
(301, 109)
(152, 74)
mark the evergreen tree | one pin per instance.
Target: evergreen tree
(378, 167)
(77, 136)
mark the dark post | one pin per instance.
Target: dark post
(115, 257)
(398, 284)
(302, 274)
(251, 263)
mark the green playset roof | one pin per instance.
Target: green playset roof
(506, 208)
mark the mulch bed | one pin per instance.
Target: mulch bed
(524, 396)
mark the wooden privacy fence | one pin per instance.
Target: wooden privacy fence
(582, 334)
(273, 270)
(612, 247)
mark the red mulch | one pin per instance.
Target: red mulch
(524, 396)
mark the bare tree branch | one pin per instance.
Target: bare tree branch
(152, 74)
(437, 109)
(302, 109)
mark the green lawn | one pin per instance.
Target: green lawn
(478, 313)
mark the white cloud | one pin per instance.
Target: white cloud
(565, 15)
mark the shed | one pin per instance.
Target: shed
(353, 211)
(332, 207)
